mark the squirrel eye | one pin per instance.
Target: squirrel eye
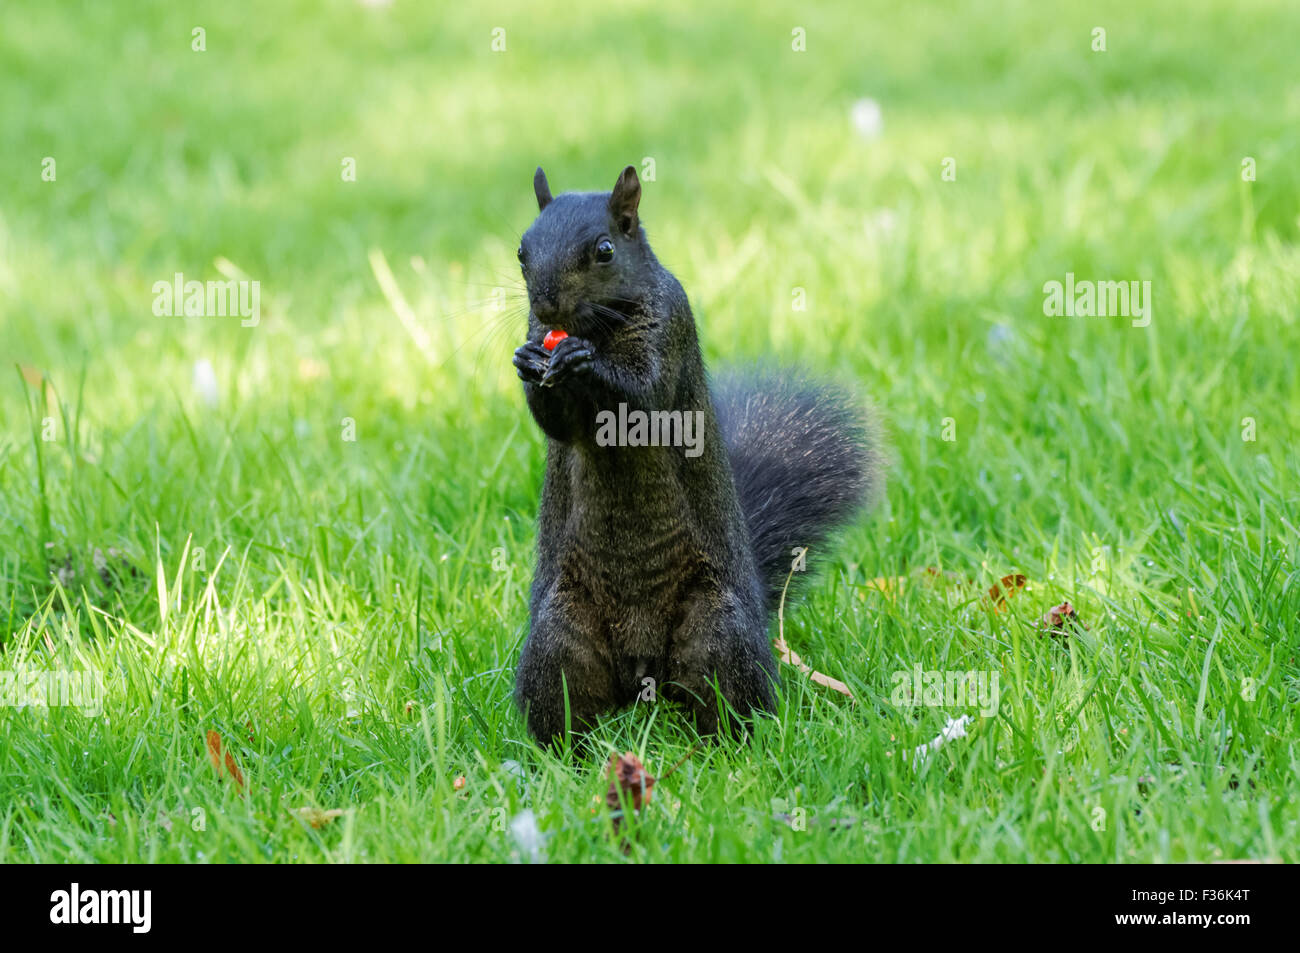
(520, 254)
(604, 250)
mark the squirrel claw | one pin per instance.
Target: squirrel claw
(571, 355)
(531, 362)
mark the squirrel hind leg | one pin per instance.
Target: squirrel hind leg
(561, 682)
(725, 703)
(721, 667)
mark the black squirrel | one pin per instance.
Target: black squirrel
(657, 561)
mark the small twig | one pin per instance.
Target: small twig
(790, 658)
(689, 751)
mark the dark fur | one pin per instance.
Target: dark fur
(803, 457)
(651, 563)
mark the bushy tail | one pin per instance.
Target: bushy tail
(805, 458)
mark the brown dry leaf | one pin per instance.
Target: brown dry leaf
(629, 783)
(1059, 620)
(215, 752)
(628, 780)
(315, 816)
(458, 784)
(31, 375)
(1005, 588)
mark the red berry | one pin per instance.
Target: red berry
(553, 338)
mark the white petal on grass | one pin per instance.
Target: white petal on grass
(867, 118)
(527, 835)
(205, 382)
(954, 729)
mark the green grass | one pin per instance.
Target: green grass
(345, 603)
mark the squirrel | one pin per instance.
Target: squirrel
(657, 561)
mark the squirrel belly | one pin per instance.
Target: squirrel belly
(669, 510)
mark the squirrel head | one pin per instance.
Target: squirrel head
(585, 256)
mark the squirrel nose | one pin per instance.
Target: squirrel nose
(544, 308)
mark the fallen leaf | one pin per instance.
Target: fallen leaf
(1005, 588)
(215, 752)
(1059, 620)
(315, 816)
(629, 782)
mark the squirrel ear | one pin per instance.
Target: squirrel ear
(625, 198)
(541, 188)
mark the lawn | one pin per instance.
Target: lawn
(313, 533)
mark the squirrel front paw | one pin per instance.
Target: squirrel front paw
(531, 362)
(571, 357)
